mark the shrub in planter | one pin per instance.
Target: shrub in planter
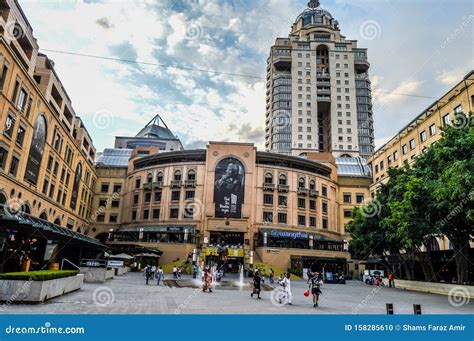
(42, 275)
(296, 272)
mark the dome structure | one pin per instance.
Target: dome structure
(157, 129)
(315, 15)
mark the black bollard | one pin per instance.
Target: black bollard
(417, 309)
(389, 307)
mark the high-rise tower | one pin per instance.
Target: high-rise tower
(318, 90)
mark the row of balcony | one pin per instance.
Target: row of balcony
(174, 184)
(285, 188)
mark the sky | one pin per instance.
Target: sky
(420, 48)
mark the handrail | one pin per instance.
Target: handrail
(67, 260)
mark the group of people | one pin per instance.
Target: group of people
(176, 272)
(151, 272)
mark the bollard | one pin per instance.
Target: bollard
(417, 309)
(389, 307)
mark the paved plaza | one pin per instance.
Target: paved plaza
(128, 294)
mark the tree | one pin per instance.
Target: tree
(447, 169)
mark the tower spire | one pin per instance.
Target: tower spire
(313, 3)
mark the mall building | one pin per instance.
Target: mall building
(230, 203)
(47, 157)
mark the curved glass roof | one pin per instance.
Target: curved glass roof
(314, 14)
(353, 166)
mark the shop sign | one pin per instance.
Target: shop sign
(115, 263)
(94, 263)
(289, 234)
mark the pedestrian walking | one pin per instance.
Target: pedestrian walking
(159, 275)
(256, 284)
(287, 289)
(178, 273)
(207, 280)
(271, 276)
(315, 288)
(391, 281)
(175, 272)
(153, 271)
(148, 274)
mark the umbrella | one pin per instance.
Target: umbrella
(122, 256)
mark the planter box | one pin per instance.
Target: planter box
(430, 287)
(119, 271)
(38, 291)
(96, 275)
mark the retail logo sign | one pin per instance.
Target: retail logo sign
(289, 234)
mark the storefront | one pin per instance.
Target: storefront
(156, 234)
(29, 243)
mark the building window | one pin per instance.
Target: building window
(14, 166)
(189, 195)
(147, 197)
(177, 175)
(324, 191)
(15, 90)
(312, 204)
(347, 213)
(347, 198)
(102, 203)
(117, 188)
(158, 196)
(325, 223)
(324, 207)
(268, 178)
(423, 136)
(432, 129)
(134, 215)
(302, 203)
(9, 126)
(156, 213)
(3, 75)
(174, 213)
(136, 198)
(282, 201)
(175, 195)
(282, 180)
(445, 120)
(301, 220)
(138, 182)
(404, 149)
(104, 188)
(20, 136)
(3, 157)
(45, 186)
(189, 212)
(115, 203)
(146, 214)
(113, 218)
(159, 177)
(268, 199)
(149, 178)
(191, 175)
(282, 218)
(395, 155)
(267, 217)
(22, 99)
(101, 218)
(359, 198)
(412, 144)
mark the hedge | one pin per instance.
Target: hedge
(42, 275)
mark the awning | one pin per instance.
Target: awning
(26, 223)
(160, 228)
(121, 256)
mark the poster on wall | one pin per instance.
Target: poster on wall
(75, 188)
(36, 150)
(229, 188)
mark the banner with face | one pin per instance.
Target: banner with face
(36, 150)
(229, 188)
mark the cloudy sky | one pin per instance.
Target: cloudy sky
(418, 48)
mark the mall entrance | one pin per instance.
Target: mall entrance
(226, 250)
